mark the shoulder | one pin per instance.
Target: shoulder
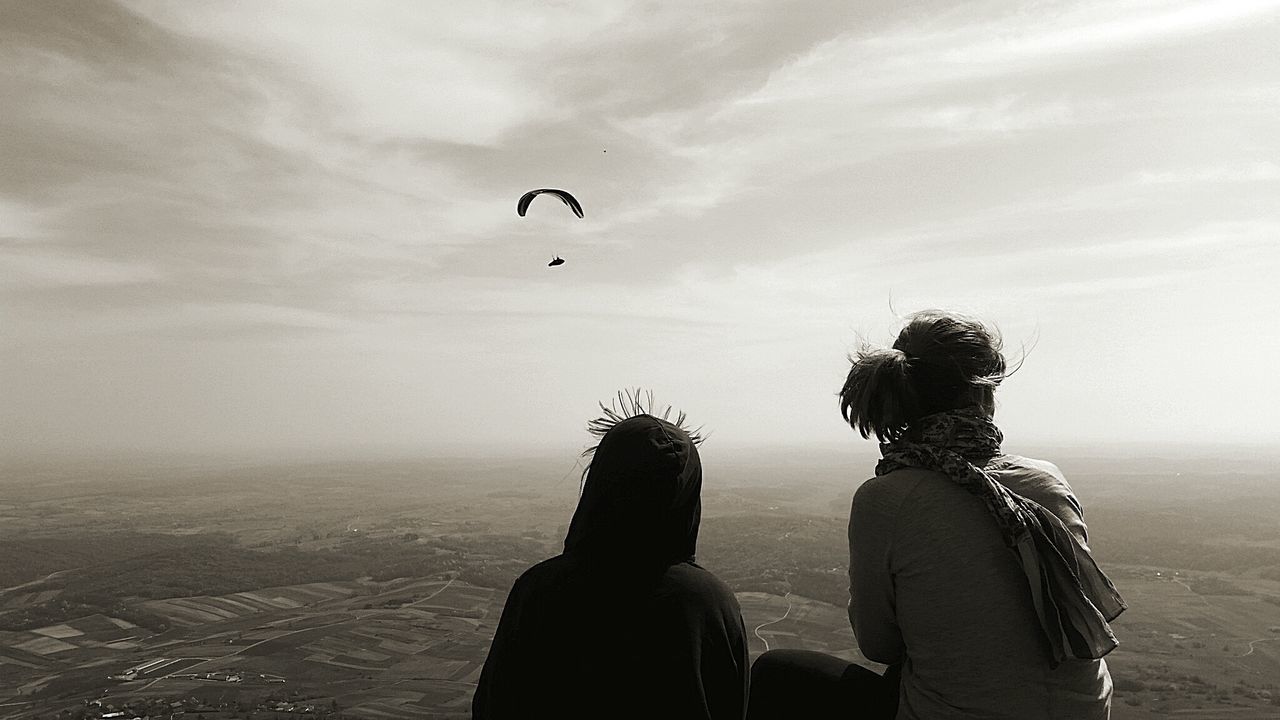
(884, 494)
(1042, 468)
(1043, 482)
(692, 578)
(894, 485)
(1032, 475)
(876, 512)
(548, 573)
(691, 596)
(551, 567)
(688, 589)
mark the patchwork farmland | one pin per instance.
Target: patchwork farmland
(373, 593)
(401, 648)
(407, 648)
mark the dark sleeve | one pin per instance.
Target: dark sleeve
(743, 653)
(727, 683)
(500, 691)
(871, 593)
(704, 665)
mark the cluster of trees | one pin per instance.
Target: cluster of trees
(1163, 681)
(777, 553)
(31, 558)
(1189, 536)
(60, 610)
(1164, 551)
(299, 707)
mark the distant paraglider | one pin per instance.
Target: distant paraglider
(523, 206)
(566, 198)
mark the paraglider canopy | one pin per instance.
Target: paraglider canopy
(565, 197)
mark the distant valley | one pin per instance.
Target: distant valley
(371, 589)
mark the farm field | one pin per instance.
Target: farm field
(420, 657)
(376, 592)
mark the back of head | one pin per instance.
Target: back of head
(642, 497)
(941, 361)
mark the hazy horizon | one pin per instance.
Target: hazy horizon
(271, 227)
(861, 455)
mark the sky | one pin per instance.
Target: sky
(255, 226)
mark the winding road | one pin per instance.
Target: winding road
(1255, 642)
(771, 622)
(432, 595)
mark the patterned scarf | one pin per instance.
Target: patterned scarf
(1073, 598)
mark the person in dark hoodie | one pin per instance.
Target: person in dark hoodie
(623, 623)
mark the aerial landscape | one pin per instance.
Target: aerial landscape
(371, 589)
(306, 310)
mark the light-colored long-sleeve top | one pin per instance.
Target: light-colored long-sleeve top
(933, 586)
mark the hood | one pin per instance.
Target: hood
(642, 498)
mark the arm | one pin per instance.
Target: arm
(726, 671)
(497, 693)
(743, 655)
(706, 666)
(871, 590)
(1073, 514)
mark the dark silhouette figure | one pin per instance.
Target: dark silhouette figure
(623, 623)
(969, 569)
(555, 261)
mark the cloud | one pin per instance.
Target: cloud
(18, 221)
(1251, 172)
(974, 43)
(384, 69)
(206, 163)
(293, 184)
(973, 72)
(26, 266)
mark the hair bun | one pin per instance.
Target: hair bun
(939, 361)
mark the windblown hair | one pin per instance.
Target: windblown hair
(630, 403)
(940, 361)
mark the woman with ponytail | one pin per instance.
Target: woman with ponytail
(969, 569)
